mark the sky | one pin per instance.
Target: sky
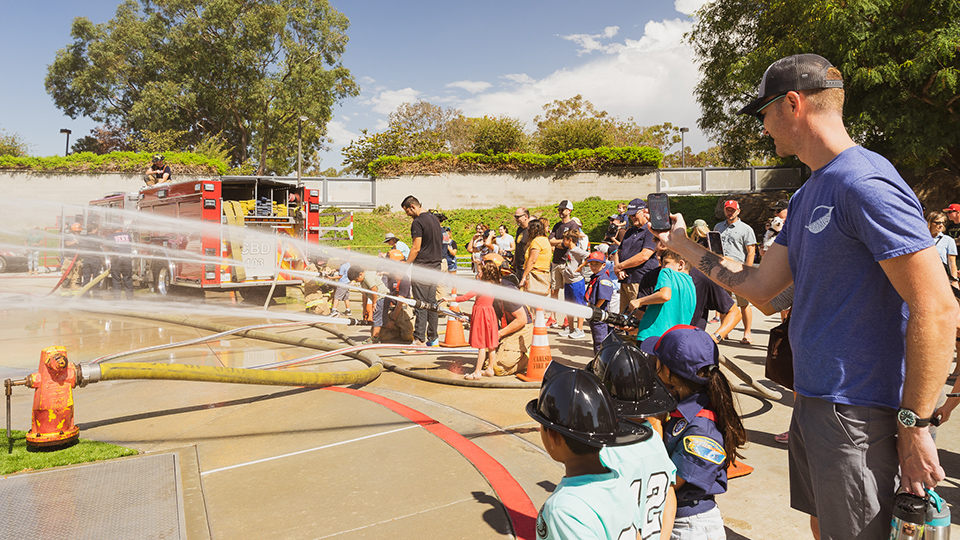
(498, 57)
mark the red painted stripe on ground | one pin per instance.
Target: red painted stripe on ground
(519, 507)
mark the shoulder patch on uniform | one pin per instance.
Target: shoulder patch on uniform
(606, 282)
(705, 448)
(679, 426)
(541, 527)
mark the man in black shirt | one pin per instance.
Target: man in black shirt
(522, 217)
(425, 253)
(566, 223)
(953, 222)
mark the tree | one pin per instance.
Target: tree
(247, 70)
(899, 60)
(572, 123)
(496, 135)
(412, 129)
(11, 144)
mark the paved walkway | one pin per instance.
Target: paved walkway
(299, 463)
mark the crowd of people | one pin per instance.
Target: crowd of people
(872, 329)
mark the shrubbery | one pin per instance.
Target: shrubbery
(183, 162)
(572, 160)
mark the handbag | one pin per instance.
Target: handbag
(779, 365)
(538, 283)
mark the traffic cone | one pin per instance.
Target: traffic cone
(738, 468)
(540, 356)
(453, 335)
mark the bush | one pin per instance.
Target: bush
(587, 159)
(183, 162)
(496, 135)
(580, 133)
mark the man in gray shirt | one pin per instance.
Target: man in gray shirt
(740, 244)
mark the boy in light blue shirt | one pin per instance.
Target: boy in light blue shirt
(674, 301)
(577, 418)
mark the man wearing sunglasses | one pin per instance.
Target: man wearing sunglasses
(521, 216)
(868, 281)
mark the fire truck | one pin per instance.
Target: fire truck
(238, 233)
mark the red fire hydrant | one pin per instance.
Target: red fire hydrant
(53, 399)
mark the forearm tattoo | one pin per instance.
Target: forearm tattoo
(726, 276)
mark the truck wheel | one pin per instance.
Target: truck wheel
(161, 281)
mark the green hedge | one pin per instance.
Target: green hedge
(113, 162)
(580, 159)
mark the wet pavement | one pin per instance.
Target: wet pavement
(398, 458)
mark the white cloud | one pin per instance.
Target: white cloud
(650, 79)
(387, 101)
(592, 42)
(474, 87)
(688, 7)
(518, 78)
(339, 133)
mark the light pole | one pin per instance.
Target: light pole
(68, 132)
(300, 121)
(683, 148)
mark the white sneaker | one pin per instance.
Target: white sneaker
(564, 333)
(577, 334)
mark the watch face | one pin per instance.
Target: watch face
(907, 417)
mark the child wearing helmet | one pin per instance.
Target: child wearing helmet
(703, 433)
(577, 419)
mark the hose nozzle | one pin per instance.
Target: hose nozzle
(615, 319)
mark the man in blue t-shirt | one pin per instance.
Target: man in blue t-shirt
(867, 281)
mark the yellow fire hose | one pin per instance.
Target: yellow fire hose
(91, 373)
(114, 371)
(93, 282)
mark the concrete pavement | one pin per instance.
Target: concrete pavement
(300, 463)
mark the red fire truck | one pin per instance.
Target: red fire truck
(238, 233)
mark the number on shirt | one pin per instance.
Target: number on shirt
(656, 497)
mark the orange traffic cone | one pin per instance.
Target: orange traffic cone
(738, 468)
(540, 356)
(453, 335)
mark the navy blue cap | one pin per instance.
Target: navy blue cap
(684, 350)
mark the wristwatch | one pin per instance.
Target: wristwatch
(718, 336)
(908, 418)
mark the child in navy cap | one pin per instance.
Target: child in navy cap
(703, 433)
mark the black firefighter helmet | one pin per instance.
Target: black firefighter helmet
(629, 376)
(574, 402)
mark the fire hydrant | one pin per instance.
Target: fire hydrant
(53, 399)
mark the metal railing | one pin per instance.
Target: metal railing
(729, 180)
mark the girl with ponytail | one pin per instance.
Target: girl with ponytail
(703, 434)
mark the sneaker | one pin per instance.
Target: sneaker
(782, 438)
(564, 333)
(334, 313)
(551, 323)
(434, 343)
(577, 334)
(348, 313)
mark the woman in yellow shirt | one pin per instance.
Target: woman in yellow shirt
(536, 270)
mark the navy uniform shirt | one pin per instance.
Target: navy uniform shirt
(634, 241)
(600, 287)
(695, 446)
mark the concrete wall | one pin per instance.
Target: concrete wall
(38, 198)
(483, 190)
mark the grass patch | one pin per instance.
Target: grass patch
(83, 451)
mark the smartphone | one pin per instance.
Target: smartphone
(715, 243)
(659, 205)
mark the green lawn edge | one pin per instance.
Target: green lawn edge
(84, 451)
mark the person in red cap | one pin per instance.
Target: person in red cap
(875, 320)
(953, 222)
(740, 244)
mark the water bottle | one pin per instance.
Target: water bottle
(909, 515)
(937, 526)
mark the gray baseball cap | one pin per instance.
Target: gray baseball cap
(793, 73)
